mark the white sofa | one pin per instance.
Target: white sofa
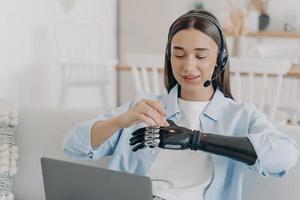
(40, 133)
(256, 187)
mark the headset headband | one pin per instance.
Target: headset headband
(223, 54)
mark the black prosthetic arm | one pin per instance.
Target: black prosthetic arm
(177, 138)
(237, 148)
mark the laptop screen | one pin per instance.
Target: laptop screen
(71, 181)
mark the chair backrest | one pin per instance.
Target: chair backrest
(78, 41)
(89, 73)
(287, 51)
(79, 47)
(146, 70)
(269, 81)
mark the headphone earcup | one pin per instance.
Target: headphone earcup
(222, 59)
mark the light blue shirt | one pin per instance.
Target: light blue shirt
(276, 152)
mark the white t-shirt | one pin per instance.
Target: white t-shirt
(183, 174)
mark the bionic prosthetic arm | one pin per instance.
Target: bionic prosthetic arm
(177, 137)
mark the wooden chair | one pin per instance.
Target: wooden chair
(291, 95)
(145, 69)
(259, 81)
(79, 52)
(288, 51)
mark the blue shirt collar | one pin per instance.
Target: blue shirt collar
(213, 109)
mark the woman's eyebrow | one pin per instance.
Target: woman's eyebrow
(201, 49)
(178, 48)
(196, 49)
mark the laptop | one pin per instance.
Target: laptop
(71, 181)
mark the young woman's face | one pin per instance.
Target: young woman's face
(193, 58)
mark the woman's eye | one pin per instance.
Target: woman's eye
(181, 56)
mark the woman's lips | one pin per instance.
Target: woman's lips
(189, 77)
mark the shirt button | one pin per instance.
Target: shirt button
(91, 154)
(153, 151)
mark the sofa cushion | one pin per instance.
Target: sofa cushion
(261, 188)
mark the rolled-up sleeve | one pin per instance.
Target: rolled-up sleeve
(77, 143)
(276, 152)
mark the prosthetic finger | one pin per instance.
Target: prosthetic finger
(140, 131)
(171, 123)
(152, 137)
(135, 140)
(137, 147)
(152, 143)
(146, 137)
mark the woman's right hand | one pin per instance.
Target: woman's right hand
(148, 111)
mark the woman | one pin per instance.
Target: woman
(198, 113)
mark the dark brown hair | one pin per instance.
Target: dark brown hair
(207, 27)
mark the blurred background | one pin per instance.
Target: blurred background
(79, 54)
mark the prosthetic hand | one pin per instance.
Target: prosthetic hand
(177, 138)
(171, 137)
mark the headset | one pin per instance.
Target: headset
(223, 52)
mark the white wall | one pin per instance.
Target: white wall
(143, 25)
(29, 72)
